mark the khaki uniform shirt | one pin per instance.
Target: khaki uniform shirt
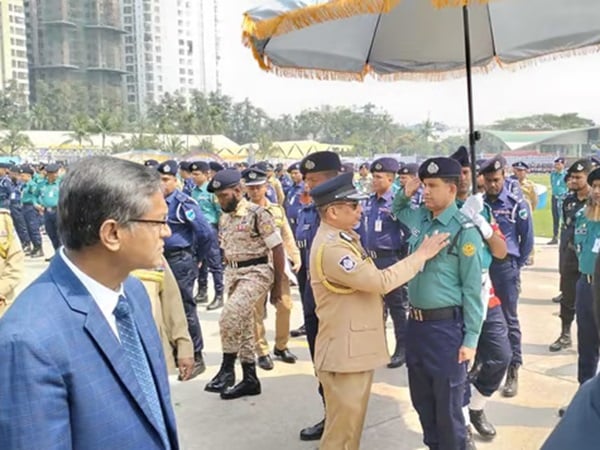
(528, 188)
(12, 261)
(282, 224)
(348, 290)
(273, 181)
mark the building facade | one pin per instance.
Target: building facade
(13, 48)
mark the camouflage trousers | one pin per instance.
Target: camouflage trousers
(282, 321)
(244, 287)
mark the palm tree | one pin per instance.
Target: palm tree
(173, 144)
(105, 124)
(80, 131)
(15, 141)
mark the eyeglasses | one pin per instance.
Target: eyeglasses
(350, 203)
(160, 223)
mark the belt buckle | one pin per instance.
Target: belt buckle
(417, 314)
(373, 254)
(233, 264)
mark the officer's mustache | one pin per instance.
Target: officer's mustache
(231, 205)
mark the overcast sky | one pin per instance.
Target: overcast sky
(564, 85)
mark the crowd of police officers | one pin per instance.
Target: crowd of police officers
(253, 229)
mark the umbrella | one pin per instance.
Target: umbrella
(416, 39)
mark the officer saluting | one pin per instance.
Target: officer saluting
(189, 230)
(383, 237)
(348, 289)
(446, 310)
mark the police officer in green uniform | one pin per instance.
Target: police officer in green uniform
(446, 311)
(48, 201)
(29, 199)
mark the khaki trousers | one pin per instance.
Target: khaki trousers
(346, 397)
(282, 321)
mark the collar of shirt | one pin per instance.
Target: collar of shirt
(169, 198)
(105, 298)
(334, 231)
(387, 196)
(203, 187)
(446, 216)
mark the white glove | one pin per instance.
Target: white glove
(484, 226)
(473, 206)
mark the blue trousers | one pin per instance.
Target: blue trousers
(18, 217)
(184, 269)
(213, 262)
(33, 223)
(51, 225)
(437, 381)
(556, 206)
(396, 304)
(493, 353)
(506, 279)
(587, 331)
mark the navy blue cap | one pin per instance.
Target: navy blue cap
(479, 163)
(409, 169)
(321, 162)
(52, 168)
(462, 156)
(202, 166)
(279, 167)
(168, 167)
(493, 164)
(364, 165)
(26, 168)
(151, 163)
(294, 166)
(254, 176)
(440, 167)
(593, 176)
(215, 166)
(347, 167)
(559, 159)
(266, 166)
(336, 189)
(581, 165)
(14, 168)
(224, 179)
(185, 165)
(595, 160)
(386, 164)
(521, 165)
(4, 165)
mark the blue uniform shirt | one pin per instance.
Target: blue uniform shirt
(380, 229)
(306, 229)
(292, 204)
(286, 183)
(587, 241)
(271, 194)
(206, 201)
(514, 219)
(559, 185)
(15, 195)
(5, 191)
(188, 186)
(188, 227)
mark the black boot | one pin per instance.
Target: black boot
(216, 303)
(202, 296)
(27, 249)
(313, 433)
(511, 387)
(479, 421)
(300, 331)
(248, 386)
(226, 375)
(563, 341)
(37, 252)
(470, 442)
(398, 358)
(558, 298)
(199, 366)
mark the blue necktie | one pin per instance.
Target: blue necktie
(132, 345)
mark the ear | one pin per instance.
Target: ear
(110, 235)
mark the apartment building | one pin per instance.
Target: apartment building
(13, 48)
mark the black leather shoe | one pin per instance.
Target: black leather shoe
(563, 342)
(37, 252)
(397, 360)
(300, 331)
(313, 433)
(558, 298)
(553, 241)
(248, 386)
(285, 355)
(479, 421)
(511, 387)
(199, 366)
(201, 297)
(265, 362)
(469, 441)
(216, 303)
(225, 377)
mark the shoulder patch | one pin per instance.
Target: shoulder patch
(190, 214)
(347, 263)
(468, 249)
(523, 214)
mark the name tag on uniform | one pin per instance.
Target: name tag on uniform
(378, 226)
(13, 195)
(596, 247)
(306, 226)
(51, 194)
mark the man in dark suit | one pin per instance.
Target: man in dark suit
(82, 363)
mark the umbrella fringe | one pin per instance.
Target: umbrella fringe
(546, 58)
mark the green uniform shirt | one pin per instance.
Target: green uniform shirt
(30, 192)
(453, 277)
(587, 241)
(208, 204)
(559, 185)
(48, 194)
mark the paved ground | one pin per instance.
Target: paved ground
(289, 401)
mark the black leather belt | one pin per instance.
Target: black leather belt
(173, 252)
(425, 315)
(247, 263)
(374, 254)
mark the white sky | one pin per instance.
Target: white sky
(564, 85)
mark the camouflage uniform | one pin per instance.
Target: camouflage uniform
(247, 233)
(284, 308)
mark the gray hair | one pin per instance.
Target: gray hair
(100, 188)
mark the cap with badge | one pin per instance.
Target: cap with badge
(224, 179)
(559, 159)
(593, 176)
(364, 165)
(215, 166)
(347, 167)
(337, 189)
(520, 165)
(409, 169)
(493, 164)
(462, 156)
(185, 165)
(321, 162)
(581, 165)
(26, 168)
(294, 166)
(254, 177)
(200, 166)
(440, 167)
(52, 168)
(152, 163)
(385, 165)
(168, 167)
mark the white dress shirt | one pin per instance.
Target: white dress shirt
(105, 298)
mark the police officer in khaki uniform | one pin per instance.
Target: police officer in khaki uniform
(12, 261)
(169, 316)
(348, 290)
(255, 181)
(247, 235)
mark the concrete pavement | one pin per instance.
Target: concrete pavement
(290, 401)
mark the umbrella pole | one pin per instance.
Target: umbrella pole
(472, 132)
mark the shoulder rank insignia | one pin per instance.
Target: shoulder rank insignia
(346, 237)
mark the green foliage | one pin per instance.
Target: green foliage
(543, 122)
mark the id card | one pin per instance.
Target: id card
(596, 247)
(378, 226)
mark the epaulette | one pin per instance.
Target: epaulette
(346, 237)
(464, 221)
(183, 198)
